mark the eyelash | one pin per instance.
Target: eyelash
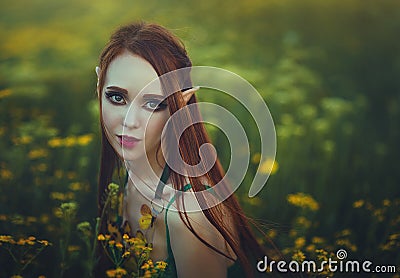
(111, 95)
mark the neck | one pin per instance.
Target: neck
(148, 172)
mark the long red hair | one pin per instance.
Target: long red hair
(166, 53)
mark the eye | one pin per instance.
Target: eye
(155, 105)
(115, 98)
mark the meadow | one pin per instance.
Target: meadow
(328, 71)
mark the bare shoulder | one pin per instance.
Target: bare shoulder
(192, 257)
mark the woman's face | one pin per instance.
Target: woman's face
(133, 118)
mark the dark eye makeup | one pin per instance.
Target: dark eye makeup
(115, 98)
(118, 98)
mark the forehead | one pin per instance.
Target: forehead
(132, 73)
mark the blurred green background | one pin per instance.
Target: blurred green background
(328, 70)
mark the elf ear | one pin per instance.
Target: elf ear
(188, 93)
(97, 85)
(97, 71)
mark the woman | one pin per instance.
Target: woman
(214, 242)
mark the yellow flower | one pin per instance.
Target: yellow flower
(6, 174)
(125, 236)
(126, 254)
(37, 153)
(358, 204)
(21, 241)
(298, 256)
(118, 272)
(386, 203)
(75, 186)
(5, 93)
(303, 200)
(269, 166)
(84, 139)
(147, 274)
(69, 141)
(5, 238)
(161, 265)
(119, 245)
(55, 142)
(101, 237)
(299, 242)
(303, 221)
(317, 240)
(44, 242)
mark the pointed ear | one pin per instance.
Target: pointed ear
(188, 93)
(97, 71)
(97, 85)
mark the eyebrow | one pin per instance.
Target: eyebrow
(117, 89)
(153, 96)
(125, 92)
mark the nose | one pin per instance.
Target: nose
(131, 118)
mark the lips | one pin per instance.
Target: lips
(128, 141)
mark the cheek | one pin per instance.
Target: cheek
(109, 116)
(155, 126)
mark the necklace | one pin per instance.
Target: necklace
(149, 214)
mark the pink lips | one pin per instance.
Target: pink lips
(128, 141)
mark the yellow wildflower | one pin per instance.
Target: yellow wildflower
(37, 153)
(299, 242)
(119, 245)
(161, 265)
(269, 166)
(55, 142)
(5, 238)
(310, 248)
(118, 272)
(125, 236)
(5, 93)
(147, 274)
(358, 204)
(101, 237)
(44, 242)
(21, 241)
(317, 240)
(386, 203)
(303, 200)
(84, 139)
(75, 186)
(303, 221)
(298, 256)
(6, 174)
(126, 254)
